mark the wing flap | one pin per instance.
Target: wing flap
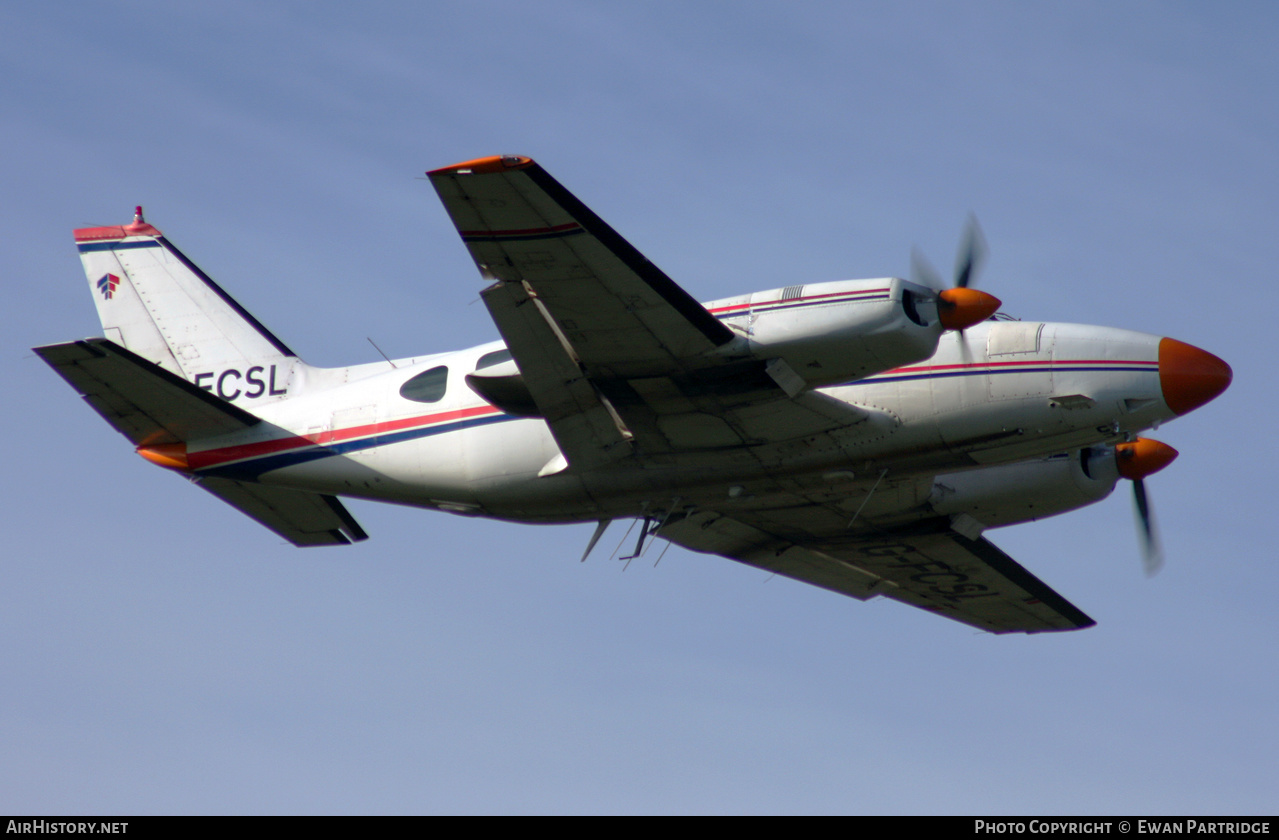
(143, 401)
(586, 427)
(304, 519)
(714, 534)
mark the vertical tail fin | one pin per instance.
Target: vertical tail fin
(157, 303)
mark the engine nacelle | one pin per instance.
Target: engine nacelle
(829, 333)
(1012, 493)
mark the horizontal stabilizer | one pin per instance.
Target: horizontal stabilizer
(143, 401)
(302, 518)
(150, 406)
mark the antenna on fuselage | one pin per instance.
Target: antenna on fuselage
(379, 349)
(599, 532)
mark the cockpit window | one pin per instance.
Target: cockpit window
(426, 387)
(494, 358)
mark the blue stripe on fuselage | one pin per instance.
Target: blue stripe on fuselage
(250, 470)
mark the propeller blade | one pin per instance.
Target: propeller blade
(965, 352)
(972, 253)
(1137, 459)
(1152, 555)
(922, 271)
(958, 306)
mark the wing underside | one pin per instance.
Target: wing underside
(584, 314)
(939, 570)
(618, 358)
(621, 313)
(621, 361)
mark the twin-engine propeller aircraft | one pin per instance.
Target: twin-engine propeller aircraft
(859, 435)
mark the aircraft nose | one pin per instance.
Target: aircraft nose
(1189, 376)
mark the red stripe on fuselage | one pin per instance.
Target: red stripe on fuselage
(215, 457)
(1040, 362)
(805, 299)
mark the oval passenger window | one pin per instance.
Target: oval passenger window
(426, 387)
(497, 357)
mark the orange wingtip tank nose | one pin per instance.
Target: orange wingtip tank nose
(959, 308)
(1143, 457)
(495, 163)
(172, 456)
(1189, 376)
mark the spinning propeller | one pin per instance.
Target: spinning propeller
(959, 307)
(1136, 460)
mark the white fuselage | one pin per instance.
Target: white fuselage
(1001, 392)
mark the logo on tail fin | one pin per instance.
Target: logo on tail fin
(107, 284)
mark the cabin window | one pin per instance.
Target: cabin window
(494, 358)
(426, 387)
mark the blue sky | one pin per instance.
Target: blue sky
(163, 654)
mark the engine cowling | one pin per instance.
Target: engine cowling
(830, 333)
(1022, 492)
